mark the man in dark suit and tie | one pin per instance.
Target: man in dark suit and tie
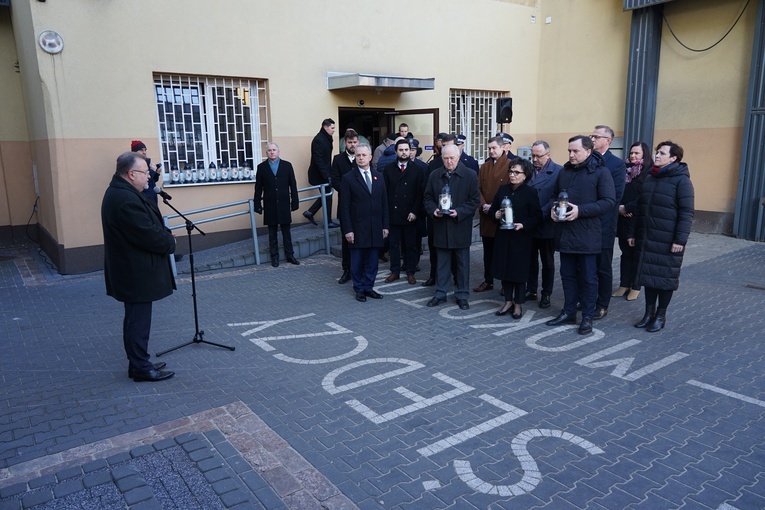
(276, 196)
(364, 221)
(342, 164)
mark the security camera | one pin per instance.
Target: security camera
(360, 102)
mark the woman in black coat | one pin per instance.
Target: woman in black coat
(512, 248)
(664, 217)
(638, 166)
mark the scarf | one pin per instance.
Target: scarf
(634, 169)
(658, 170)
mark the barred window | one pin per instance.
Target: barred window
(211, 130)
(473, 114)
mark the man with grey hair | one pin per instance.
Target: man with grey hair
(276, 196)
(136, 264)
(542, 180)
(601, 137)
(452, 231)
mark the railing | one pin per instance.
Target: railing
(323, 194)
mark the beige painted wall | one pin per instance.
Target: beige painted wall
(702, 96)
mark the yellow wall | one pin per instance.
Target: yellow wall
(702, 96)
(78, 110)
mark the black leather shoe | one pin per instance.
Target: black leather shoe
(293, 260)
(562, 318)
(157, 366)
(600, 312)
(152, 375)
(504, 311)
(373, 294)
(531, 296)
(333, 224)
(344, 278)
(435, 302)
(274, 263)
(309, 216)
(517, 316)
(429, 282)
(585, 328)
(463, 304)
(360, 297)
(545, 301)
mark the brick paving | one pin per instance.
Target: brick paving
(389, 404)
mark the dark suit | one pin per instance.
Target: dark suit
(341, 165)
(276, 196)
(318, 170)
(404, 198)
(366, 215)
(618, 171)
(452, 236)
(136, 264)
(542, 242)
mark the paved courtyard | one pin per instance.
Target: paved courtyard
(331, 403)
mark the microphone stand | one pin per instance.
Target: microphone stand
(198, 334)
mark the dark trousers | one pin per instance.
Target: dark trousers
(605, 276)
(403, 239)
(273, 245)
(346, 249)
(460, 259)
(627, 265)
(514, 291)
(317, 205)
(488, 258)
(364, 268)
(136, 327)
(544, 250)
(579, 276)
(432, 253)
(664, 297)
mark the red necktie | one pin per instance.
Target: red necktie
(403, 167)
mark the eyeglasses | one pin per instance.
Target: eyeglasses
(513, 172)
(140, 171)
(598, 136)
(534, 156)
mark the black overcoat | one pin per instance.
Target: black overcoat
(629, 200)
(276, 195)
(136, 246)
(364, 213)
(321, 158)
(453, 233)
(512, 248)
(404, 191)
(664, 217)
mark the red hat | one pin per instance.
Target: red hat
(137, 145)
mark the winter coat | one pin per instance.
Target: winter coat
(619, 174)
(591, 188)
(136, 246)
(364, 213)
(543, 184)
(404, 191)
(625, 225)
(278, 193)
(321, 158)
(664, 217)
(388, 157)
(512, 248)
(453, 233)
(491, 176)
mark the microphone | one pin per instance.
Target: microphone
(161, 193)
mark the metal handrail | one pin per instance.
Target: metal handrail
(253, 223)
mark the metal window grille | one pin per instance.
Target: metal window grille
(204, 121)
(473, 114)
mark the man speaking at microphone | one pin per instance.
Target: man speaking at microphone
(136, 265)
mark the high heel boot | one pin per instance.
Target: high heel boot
(650, 312)
(658, 322)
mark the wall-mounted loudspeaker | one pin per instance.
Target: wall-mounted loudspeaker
(504, 110)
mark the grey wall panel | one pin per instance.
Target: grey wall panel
(748, 221)
(639, 4)
(643, 75)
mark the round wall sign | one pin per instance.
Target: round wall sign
(51, 42)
